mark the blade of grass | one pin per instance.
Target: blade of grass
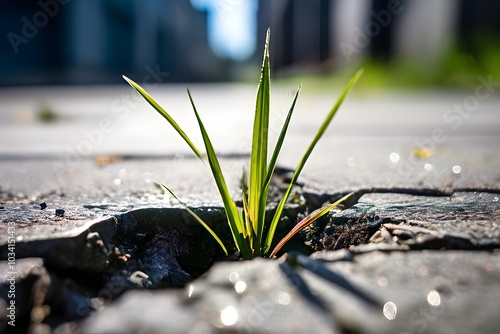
(166, 115)
(191, 212)
(281, 138)
(274, 158)
(244, 197)
(258, 155)
(319, 134)
(315, 215)
(234, 218)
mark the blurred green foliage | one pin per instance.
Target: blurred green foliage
(456, 68)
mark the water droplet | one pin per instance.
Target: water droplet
(456, 169)
(117, 182)
(390, 310)
(351, 162)
(284, 298)
(190, 290)
(433, 298)
(229, 316)
(240, 286)
(382, 281)
(428, 167)
(122, 173)
(394, 157)
(234, 276)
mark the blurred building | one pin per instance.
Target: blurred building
(95, 41)
(337, 32)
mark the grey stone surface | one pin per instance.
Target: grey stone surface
(91, 169)
(355, 149)
(432, 291)
(424, 235)
(429, 292)
(89, 192)
(242, 296)
(407, 118)
(464, 220)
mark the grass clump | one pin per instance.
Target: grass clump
(247, 224)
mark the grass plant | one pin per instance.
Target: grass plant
(251, 237)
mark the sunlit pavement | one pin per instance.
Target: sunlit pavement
(95, 152)
(431, 138)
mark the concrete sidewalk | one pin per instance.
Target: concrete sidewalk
(403, 139)
(426, 166)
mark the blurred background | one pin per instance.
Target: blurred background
(62, 92)
(402, 43)
(425, 109)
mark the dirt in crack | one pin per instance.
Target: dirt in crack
(167, 247)
(353, 233)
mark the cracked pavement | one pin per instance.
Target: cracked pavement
(431, 207)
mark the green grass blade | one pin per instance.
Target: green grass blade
(244, 197)
(308, 221)
(164, 187)
(166, 115)
(258, 156)
(274, 159)
(234, 217)
(319, 134)
(281, 138)
(244, 190)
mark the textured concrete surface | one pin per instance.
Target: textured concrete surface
(423, 237)
(427, 292)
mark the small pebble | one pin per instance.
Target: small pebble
(59, 212)
(139, 278)
(43, 206)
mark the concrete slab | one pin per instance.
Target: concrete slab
(426, 292)
(98, 159)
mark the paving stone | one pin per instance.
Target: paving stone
(464, 220)
(428, 292)
(423, 238)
